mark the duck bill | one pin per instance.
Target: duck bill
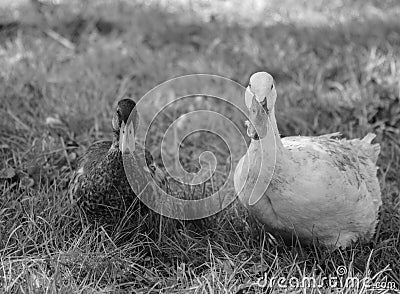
(127, 138)
(257, 126)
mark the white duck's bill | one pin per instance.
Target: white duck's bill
(248, 97)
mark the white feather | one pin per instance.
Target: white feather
(320, 188)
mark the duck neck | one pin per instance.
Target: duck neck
(264, 157)
(272, 140)
(115, 139)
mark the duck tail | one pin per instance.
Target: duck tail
(376, 148)
(368, 138)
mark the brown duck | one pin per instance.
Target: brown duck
(100, 187)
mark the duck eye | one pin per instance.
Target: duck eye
(272, 86)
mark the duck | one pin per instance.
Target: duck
(312, 189)
(99, 186)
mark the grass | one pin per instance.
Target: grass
(336, 67)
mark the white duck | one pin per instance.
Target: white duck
(316, 188)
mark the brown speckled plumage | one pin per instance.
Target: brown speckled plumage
(100, 187)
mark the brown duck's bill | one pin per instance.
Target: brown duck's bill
(127, 137)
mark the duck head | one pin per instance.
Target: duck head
(260, 97)
(124, 123)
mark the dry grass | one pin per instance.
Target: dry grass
(339, 71)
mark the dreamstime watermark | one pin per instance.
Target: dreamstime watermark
(340, 281)
(225, 94)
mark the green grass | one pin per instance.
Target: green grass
(336, 66)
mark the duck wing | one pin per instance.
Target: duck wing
(99, 150)
(87, 162)
(334, 144)
(356, 157)
(92, 154)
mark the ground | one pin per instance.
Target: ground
(64, 65)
